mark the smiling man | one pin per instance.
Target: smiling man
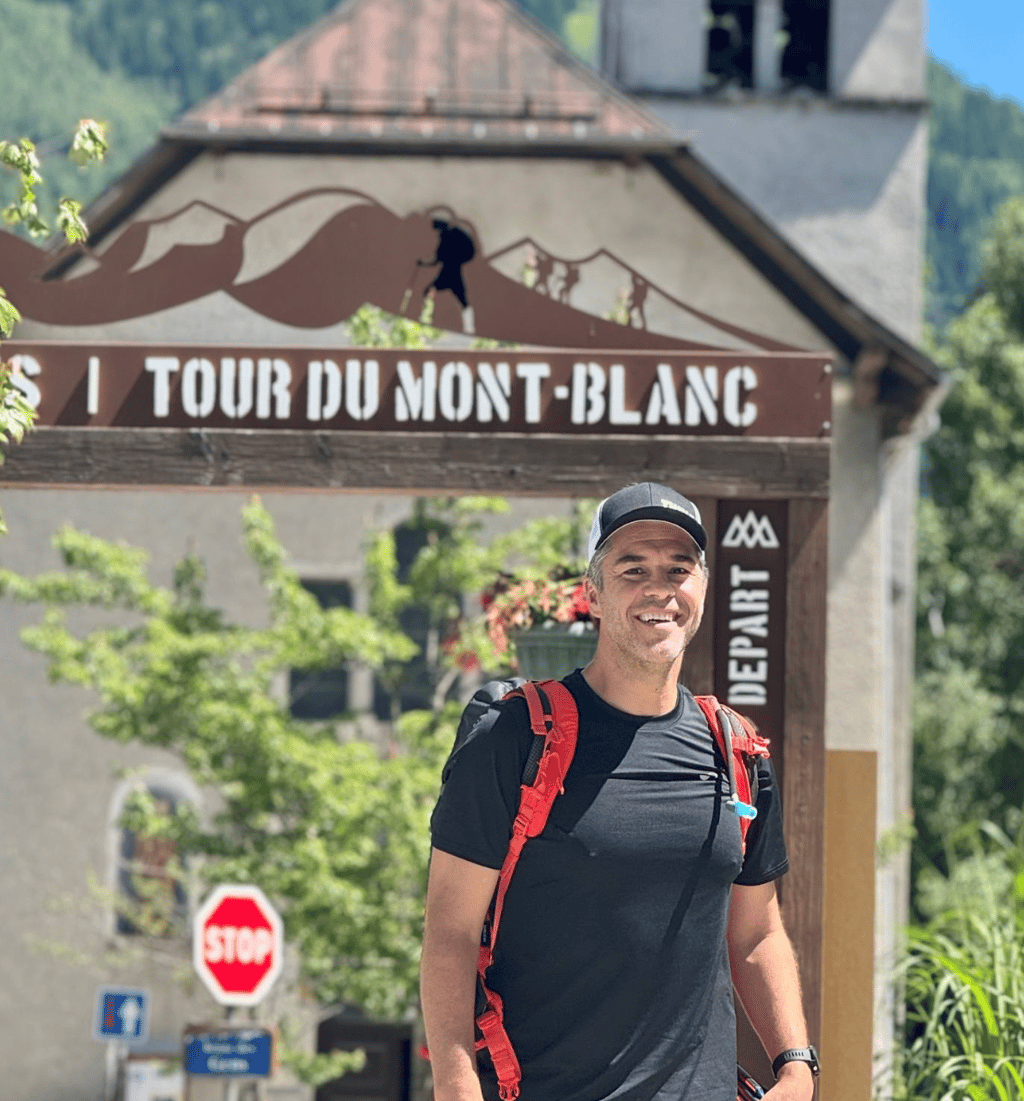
(632, 915)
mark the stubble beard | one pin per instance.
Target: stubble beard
(644, 662)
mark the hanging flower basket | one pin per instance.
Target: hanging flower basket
(553, 650)
(543, 625)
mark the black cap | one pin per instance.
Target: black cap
(646, 501)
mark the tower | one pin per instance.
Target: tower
(813, 110)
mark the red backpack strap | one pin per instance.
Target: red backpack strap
(739, 742)
(553, 717)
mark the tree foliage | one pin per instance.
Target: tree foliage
(88, 144)
(332, 829)
(969, 720)
(57, 83)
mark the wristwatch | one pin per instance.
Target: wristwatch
(797, 1055)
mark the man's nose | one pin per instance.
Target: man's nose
(660, 584)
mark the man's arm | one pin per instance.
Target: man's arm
(764, 973)
(458, 897)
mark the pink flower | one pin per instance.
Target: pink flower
(511, 605)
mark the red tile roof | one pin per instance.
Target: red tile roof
(444, 70)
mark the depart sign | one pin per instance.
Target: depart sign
(685, 393)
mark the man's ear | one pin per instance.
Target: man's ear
(590, 591)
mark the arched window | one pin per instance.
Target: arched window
(149, 892)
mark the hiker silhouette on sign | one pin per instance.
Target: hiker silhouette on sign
(454, 248)
(569, 280)
(545, 268)
(637, 298)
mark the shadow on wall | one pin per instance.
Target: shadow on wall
(792, 162)
(855, 23)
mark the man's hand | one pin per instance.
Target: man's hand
(796, 1083)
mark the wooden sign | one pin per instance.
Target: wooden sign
(746, 394)
(750, 609)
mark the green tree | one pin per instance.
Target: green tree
(969, 717)
(332, 829)
(57, 82)
(88, 144)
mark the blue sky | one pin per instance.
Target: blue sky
(983, 40)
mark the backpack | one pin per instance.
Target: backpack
(555, 721)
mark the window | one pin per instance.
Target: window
(805, 54)
(418, 682)
(317, 694)
(730, 59)
(795, 58)
(150, 896)
(416, 688)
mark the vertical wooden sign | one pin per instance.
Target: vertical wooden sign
(750, 612)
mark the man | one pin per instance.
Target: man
(627, 917)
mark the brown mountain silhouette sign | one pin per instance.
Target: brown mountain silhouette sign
(344, 249)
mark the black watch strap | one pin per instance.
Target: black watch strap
(797, 1055)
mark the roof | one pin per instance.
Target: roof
(442, 70)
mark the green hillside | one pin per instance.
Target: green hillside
(976, 160)
(136, 64)
(49, 82)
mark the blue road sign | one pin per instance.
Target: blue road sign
(121, 1014)
(238, 1053)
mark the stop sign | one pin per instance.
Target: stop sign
(237, 944)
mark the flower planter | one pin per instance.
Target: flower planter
(552, 652)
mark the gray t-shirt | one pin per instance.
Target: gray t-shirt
(611, 957)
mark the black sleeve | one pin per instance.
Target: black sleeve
(766, 857)
(480, 788)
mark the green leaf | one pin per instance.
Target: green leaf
(994, 1079)
(980, 998)
(9, 315)
(89, 143)
(1006, 1064)
(69, 221)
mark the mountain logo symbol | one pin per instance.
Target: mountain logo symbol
(750, 531)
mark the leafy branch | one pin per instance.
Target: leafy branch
(88, 145)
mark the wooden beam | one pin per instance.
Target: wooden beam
(536, 465)
(699, 665)
(803, 763)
